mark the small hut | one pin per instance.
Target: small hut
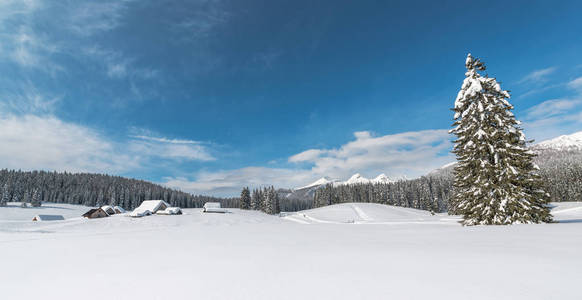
(95, 213)
(48, 218)
(149, 207)
(213, 207)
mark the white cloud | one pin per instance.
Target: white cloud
(170, 148)
(552, 107)
(308, 155)
(410, 153)
(537, 76)
(576, 83)
(45, 142)
(35, 142)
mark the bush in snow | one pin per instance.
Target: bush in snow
(495, 179)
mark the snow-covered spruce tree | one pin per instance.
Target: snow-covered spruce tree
(268, 201)
(5, 195)
(35, 199)
(245, 198)
(495, 179)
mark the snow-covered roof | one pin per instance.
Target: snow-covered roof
(212, 205)
(152, 205)
(108, 209)
(170, 211)
(140, 213)
(49, 217)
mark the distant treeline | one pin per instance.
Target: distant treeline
(428, 193)
(560, 170)
(93, 190)
(562, 174)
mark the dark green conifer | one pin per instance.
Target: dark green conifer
(495, 180)
(245, 198)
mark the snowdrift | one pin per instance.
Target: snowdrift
(366, 213)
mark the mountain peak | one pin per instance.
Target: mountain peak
(321, 181)
(382, 178)
(564, 142)
(357, 178)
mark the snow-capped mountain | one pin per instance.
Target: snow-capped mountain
(382, 178)
(321, 181)
(563, 142)
(306, 192)
(357, 179)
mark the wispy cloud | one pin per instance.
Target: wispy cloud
(25, 98)
(162, 147)
(552, 107)
(165, 140)
(20, 43)
(537, 76)
(200, 20)
(90, 18)
(555, 117)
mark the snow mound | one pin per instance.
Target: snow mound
(563, 142)
(365, 213)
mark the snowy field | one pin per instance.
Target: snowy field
(347, 251)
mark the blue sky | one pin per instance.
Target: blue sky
(210, 96)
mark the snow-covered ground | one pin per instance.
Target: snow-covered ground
(347, 251)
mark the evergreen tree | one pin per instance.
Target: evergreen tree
(276, 202)
(25, 199)
(495, 179)
(245, 198)
(35, 199)
(5, 195)
(268, 201)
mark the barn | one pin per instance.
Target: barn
(95, 213)
(48, 218)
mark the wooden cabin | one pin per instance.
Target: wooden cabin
(95, 213)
